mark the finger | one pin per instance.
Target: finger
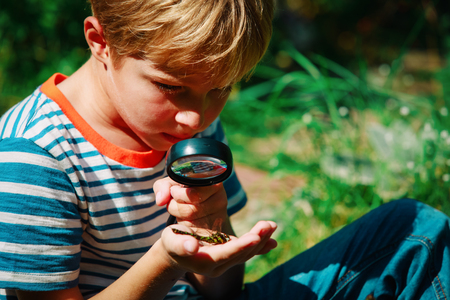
(206, 259)
(161, 189)
(229, 254)
(213, 260)
(199, 205)
(240, 247)
(194, 195)
(268, 246)
(179, 245)
(198, 216)
(246, 255)
(264, 230)
(254, 240)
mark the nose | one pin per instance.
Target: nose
(194, 119)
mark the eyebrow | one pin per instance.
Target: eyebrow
(163, 78)
(159, 74)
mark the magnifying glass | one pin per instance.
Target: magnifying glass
(198, 162)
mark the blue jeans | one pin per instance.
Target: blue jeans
(400, 250)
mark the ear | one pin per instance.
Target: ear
(93, 33)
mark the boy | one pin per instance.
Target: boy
(81, 169)
(82, 158)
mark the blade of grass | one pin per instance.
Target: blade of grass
(321, 80)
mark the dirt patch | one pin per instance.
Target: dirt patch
(264, 193)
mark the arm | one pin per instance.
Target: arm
(226, 286)
(199, 206)
(151, 277)
(154, 274)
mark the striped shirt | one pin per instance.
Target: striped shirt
(74, 208)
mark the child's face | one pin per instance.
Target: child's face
(158, 108)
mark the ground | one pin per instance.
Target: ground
(263, 193)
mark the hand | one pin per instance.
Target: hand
(192, 206)
(194, 256)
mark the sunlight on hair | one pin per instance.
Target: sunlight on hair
(222, 39)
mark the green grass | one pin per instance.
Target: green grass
(358, 141)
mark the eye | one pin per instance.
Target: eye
(168, 89)
(225, 90)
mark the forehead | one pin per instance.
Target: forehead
(188, 75)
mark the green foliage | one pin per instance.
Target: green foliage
(37, 39)
(357, 143)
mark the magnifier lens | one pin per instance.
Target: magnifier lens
(199, 166)
(199, 162)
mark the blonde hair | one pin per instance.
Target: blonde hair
(223, 39)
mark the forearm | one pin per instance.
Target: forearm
(151, 277)
(226, 286)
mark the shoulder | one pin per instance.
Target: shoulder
(23, 150)
(36, 113)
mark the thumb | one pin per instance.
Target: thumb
(179, 244)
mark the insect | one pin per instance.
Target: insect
(215, 238)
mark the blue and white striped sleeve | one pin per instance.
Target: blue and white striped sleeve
(235, 193)
(41, 227)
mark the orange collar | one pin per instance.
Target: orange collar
(124, 156)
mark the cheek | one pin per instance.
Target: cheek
(149, 114)
(142, 104)
(215, 108)
(143, 114)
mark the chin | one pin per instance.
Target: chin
(160, 146)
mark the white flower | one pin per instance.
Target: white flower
(444, 134)
(446, 177)
(343, 111)
(443, 111)
(307, 118)
(404, 110)
(389, 137)
(429, 133)
(410, 165)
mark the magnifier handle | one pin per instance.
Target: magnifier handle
(171, 220)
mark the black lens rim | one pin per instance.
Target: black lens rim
(199, 146)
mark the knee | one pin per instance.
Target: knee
(411, 205)
(403, 207)
(406, 205)
(402, 212)
(422, 214)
